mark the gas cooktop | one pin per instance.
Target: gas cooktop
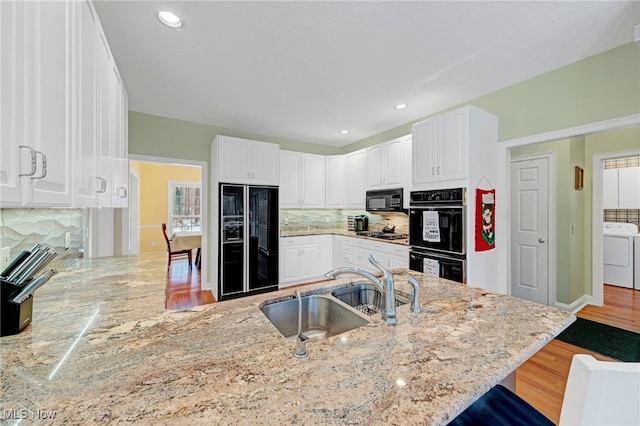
(382, 235)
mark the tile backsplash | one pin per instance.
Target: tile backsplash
(20, 229)
(328, 219)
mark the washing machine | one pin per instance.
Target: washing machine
(619, 254)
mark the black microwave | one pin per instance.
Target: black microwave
(384, 200)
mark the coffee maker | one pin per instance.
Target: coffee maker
(361, 223)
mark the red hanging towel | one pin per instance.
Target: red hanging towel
(485, 219)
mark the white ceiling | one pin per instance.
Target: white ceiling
(306, 70)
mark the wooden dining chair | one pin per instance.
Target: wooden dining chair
(182, 254)
(597, 393)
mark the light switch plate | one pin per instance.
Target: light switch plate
(5, 256)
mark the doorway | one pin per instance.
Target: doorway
(530, 222)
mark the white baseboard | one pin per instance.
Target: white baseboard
(574, 307)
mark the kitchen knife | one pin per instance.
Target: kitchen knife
(33, 286)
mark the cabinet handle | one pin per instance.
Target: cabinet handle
(249, 175)
(123, 192)
(103, 185)
(438, 169)
(44, 165)
(33, 160)
(433, 171)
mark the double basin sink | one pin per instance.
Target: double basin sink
(325, 315)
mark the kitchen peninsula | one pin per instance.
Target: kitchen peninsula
(102, 349)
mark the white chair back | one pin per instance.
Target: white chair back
(601, 393)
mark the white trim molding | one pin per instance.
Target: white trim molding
(576, 305)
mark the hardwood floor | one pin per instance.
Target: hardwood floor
(541, 380)
(183, 290)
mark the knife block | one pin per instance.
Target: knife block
(13, 317)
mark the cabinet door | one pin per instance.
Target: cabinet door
(120, 164)
(47, 33)
(326, 253)
(610, 189)
(395, 165)
(335, 181)
(309, 260)
(9, 170)
(289, 264)
(233, 160)
(375, 166)
(312, 181)
(104, 122)
(629, 188)
(289, 191)
(424, 151)
(355, 179)
(265, 163)
(452, 146)
(85, 80)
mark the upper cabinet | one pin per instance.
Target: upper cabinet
(355, 177)
(246, 161)
(334, 181)
(50, 117)
(302, 182)
(440, 146)
(621, 188)
(386, 165)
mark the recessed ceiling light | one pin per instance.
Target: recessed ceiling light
(401, 106)
(344, 132)
(170, 19)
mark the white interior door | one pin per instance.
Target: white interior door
(530, 229)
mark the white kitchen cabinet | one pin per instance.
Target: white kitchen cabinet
(621, 188)
(335, 181)
(85, 31)
(300, 259)
(629, 188)
(355, 178)
(9, 113)
(356, 252)
(247, 162)
(59, 72)
(440, 148)
(120, 162)
(610, 189)
(386, 165)
(326, 253)
(44, 50)
(301, 180)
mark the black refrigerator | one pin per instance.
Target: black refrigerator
(248, 249)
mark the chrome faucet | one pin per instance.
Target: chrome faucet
(301, 350)
(415, 296)
(385, 286)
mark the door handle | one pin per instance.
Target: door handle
(43, 173)
(541, 240)
(34, 161)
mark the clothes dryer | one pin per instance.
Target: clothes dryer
(619, 253)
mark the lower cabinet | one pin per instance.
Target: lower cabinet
(299, 260)
(307, 259)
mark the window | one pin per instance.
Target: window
(184, 207)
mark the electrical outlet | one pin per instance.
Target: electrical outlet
(67, 240)
(5, 256)
(286, 220)
(153, 243)
(327, 219)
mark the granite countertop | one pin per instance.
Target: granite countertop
(102, 349)
(345, 233)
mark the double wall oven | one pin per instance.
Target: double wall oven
(437, 235)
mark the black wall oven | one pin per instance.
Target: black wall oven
(437, 235)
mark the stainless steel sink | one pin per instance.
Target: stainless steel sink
(322, 316)
(365, 297)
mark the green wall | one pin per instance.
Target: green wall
(167, 137)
